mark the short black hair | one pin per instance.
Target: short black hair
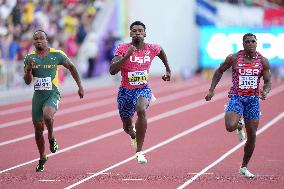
(39, 30)
(248, 35)
(138, 23)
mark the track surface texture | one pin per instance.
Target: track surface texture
(186, 143)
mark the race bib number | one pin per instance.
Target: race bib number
(248, 82)
(43, 84)
(138, 77)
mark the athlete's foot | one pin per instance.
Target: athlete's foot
(245, 172)
(53, 146)
(140, 157)
(240, 130)
(41, 162)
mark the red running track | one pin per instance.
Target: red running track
(186, 143)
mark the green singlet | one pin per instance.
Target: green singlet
(45, 80)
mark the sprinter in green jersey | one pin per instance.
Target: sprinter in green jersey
(41, 66)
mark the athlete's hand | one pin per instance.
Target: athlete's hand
(263, 95)
(209, 95)
(81, 92)
(167, 76)
(30, 64)
(130, 50)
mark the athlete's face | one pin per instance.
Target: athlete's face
(137, 33)
(250, 44)
(40, 40)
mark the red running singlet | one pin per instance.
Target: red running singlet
(246, 76)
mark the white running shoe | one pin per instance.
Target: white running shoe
(245, 172)
(241, 133)
(140, 158)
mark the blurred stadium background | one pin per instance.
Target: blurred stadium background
(196, 34)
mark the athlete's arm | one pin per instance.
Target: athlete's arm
(117, 61)
(162, 55)
(70, 66)
(266, 79)
(28, 72)
(218, 75)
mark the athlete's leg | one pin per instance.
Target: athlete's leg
(48, 115)
(49, 109)
(39, 128)
(126, 107)
(37, 117)
(251, 128)
(251, 116)
(233, 114)
(231, 121)
(141, 122)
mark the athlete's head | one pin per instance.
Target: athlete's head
(40, 40)
(249, 42)
(137, 31)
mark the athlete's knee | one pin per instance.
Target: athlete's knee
(231, 121)
(141, 111)
(230, 126)
(48, 117)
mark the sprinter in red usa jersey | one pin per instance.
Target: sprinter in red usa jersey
(248, 67)
(133, 60)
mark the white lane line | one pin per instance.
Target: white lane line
(105, 93)
(232, 150)
(201, 125)
(182, 134)
(68, 99)
(132, 179)
(49, 180)
(94, 173)
(203, 173)
(109, 134)
(87, 106)
(160, 100)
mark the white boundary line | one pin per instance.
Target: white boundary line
(93, 95)
(182, 134)
(195, 128)
(232, 150)
(151, 119)
(155, 118)
(203, 124)
(86, 106)
(108, 114)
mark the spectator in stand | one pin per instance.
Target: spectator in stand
(62, 20)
